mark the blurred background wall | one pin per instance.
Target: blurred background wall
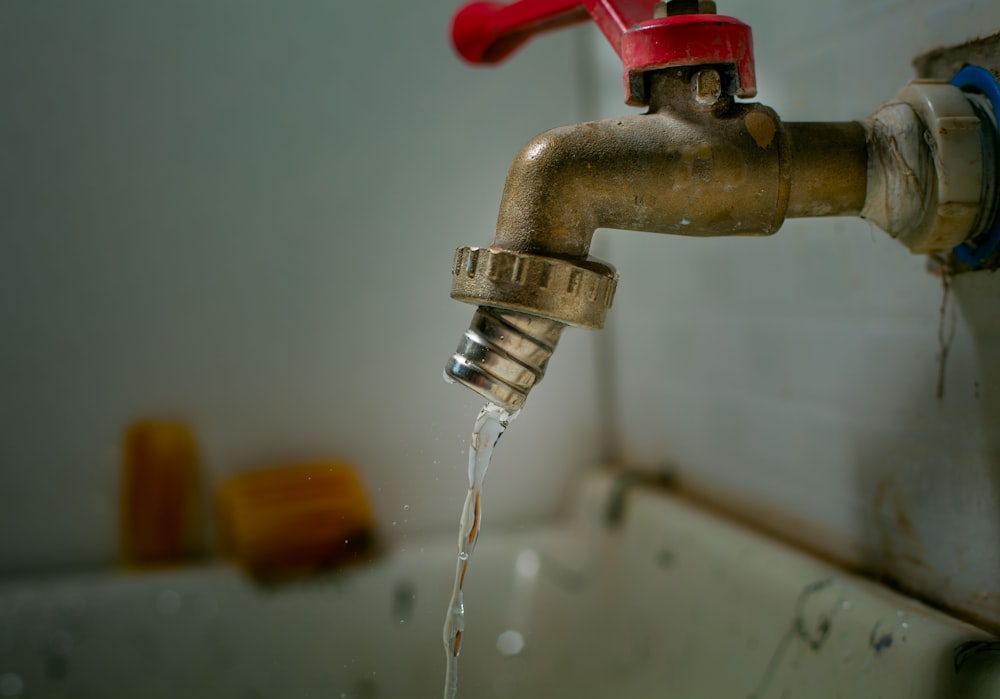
(242, 215)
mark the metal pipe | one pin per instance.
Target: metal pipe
(829, 163)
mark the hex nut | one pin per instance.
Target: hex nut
(926, 167)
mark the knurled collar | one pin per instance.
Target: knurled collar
(575, 292)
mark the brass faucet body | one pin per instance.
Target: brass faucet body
(689, 167)
(698, 164)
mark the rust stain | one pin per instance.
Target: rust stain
(981, 609)
(881, 490)
(761, 128)
(901, 553)
(946, 329)
(474, 530)
(903, 520)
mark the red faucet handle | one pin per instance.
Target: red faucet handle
(687, 41)
(488, 32)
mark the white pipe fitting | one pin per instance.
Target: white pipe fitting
(927, 171)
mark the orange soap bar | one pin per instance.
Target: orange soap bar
(294, 520)
(159, 512)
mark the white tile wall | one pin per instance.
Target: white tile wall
(800, 371)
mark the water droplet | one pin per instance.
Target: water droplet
(685, 221)
(406, 507)
(168, 602)
(510, 642)
(11, 685)
(463, 556)
(528, 563)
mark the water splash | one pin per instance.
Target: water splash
(490, 425)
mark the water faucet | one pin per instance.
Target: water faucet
(700, 162)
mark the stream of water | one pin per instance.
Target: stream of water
(490, 424)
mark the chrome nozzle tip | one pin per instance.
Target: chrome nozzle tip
(466, 372)
(503, 355)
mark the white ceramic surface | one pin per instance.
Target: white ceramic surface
(673, 602)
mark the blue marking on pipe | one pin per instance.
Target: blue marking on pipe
(975, 253)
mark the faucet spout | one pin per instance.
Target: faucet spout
(693, 165)
(688, 172)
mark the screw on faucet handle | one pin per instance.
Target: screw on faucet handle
(647, 34)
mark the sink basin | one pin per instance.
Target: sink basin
(671, 601)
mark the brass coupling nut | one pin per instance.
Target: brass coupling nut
(576, 292)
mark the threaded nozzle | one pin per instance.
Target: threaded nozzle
(503, 355)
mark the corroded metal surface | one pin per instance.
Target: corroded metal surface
(685, 168)
(574, 292)
(828, 164)
(927, 173)
(698, 164)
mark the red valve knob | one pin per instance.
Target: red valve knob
(488, 32)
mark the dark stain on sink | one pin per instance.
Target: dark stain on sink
(810, 624)
(879, 640)
(665, 559)
(975, 652)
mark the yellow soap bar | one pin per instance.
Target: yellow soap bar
(159, 509)
(294, 520)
